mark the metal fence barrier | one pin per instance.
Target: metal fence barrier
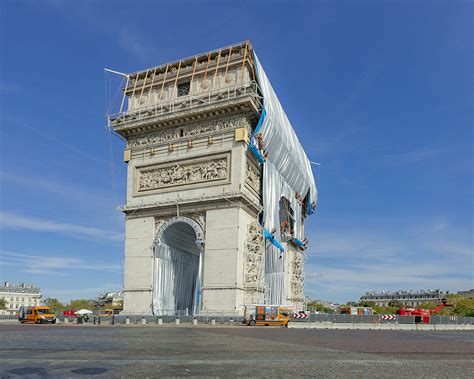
(379, 319)
(226, 317)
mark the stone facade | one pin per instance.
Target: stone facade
(18, 295)
(188, 159)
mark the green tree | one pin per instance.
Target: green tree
(81, 304)
(315, 306)
(3, 304)
(428, 305)
(395, 304)
(328, 310)
(464, 307)
(54, 304)
(367, 303)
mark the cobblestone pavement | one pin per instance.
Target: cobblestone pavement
(152, 351)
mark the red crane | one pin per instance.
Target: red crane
(422, 315)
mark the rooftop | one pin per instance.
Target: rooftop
(19, 288)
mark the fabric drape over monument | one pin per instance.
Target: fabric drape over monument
(286, 173)
(177, 265)
(287, 169)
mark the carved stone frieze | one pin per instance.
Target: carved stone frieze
(252, 177)
(162, 176)
(297, 278)
(190, 131)
(153, 138)
(254, 263)
(216, 126)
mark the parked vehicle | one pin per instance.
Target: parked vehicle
(108, 312)
(266, 315)
(40, 314)
(357, 311)
(422, 315)
(70, 313)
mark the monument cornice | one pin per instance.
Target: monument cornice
(165, 208)
(247, 105)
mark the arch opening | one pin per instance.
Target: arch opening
(178, 267)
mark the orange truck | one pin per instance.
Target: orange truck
(266, 315)
(40, 314)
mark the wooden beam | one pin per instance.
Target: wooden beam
(124, 94)
(252, 64)
(192, 77)
(176, 80)
(205, 73)
(163, 85)
(217, 67)
(143, 88)
(227, 66)
(243, 63)
(152, 80)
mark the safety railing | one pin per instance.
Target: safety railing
(161, 108)
(384, 319)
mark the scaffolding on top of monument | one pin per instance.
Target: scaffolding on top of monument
(188, 103)
(185, 84)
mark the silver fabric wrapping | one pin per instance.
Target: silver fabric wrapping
(281, 143)
(275, 274)
(287, 170)
(175, 280)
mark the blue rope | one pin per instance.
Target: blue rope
(269, 236)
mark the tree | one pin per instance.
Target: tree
(3, 304)
(328, 310)
(367, 303)
(429, 305)
(54, 304)
(464, 307)
(315, 306)
(395, 304)
(81, 304)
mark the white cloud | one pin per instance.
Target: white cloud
(347, 263)
(93, 197)
(53, 265)
(13, 221)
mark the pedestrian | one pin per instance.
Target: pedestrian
(86, 318)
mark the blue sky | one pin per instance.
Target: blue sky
(380, 93)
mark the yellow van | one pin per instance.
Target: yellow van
(40, 314)
(266, 315)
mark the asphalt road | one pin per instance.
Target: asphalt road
(157, 351)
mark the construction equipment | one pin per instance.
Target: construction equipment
(422, 315)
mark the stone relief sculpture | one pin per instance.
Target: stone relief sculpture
(253, 177)
(215, 126)
(297, 278)
(189, 131)
(254, 261)
(153, 138)
(178, 174)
